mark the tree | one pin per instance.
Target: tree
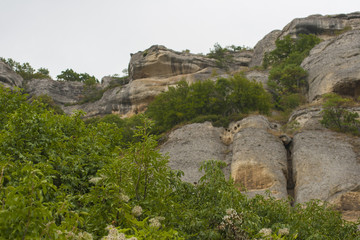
(71, 75)
(25, 70)
(221, 55)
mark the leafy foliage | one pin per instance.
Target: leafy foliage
(337, 117)
(225, 97)
(25, 70)
(71, 75)
(63, 179)
(221, 55)
(286, 76)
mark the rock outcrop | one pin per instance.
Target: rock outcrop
(326, 166)
(267, 44)
(259, 159)
(62, 92)
(333, 66)
(8, 78)
(191, 145)
(325, 27)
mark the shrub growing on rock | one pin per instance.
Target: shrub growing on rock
(225, 97)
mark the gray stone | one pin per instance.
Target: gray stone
(325, 166)
(267, 44)
(192, 144)
(62, 92)
(258, 76)
(259, 163)
(9, 78)
(333, 66)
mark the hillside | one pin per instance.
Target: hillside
(286, 151)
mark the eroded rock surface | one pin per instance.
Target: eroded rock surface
(326, 166)
(192, 144)
(259, 160)
(333, 66)
(62, 92)
(267, 44)
(9, 78)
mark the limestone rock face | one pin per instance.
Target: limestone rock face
(259, 160)
(192, 144)
(326, 166)
(315, 24)
(158, 61)
(9, 78)
(62, 92)
(267, 44)
(258, 76)
(333, 66)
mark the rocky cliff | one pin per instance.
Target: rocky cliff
(315, 163)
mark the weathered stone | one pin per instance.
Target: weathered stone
(62, 92)
(267, 44)
(192, 144)
(333, 66)
(160, 62)
(325, 167)
(258, 76)
(259, 162)
(314, 24)
(108, 81)
(9, 78)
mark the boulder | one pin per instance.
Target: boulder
(192, 144)
(333, 66)
(326, 166)
(259, 159)
(9, 78)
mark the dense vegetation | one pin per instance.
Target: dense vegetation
(71, 75)
(63, 179)
(208, 100)
(287, 79)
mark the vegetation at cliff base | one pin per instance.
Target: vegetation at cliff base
(61, 178)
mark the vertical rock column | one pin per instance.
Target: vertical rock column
(259, 160)
(326, 167)
(191, 145)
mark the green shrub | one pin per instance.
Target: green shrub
(25, 70)
(221, 55)
(286, 76)
(337, 117)
(72, 76)
(63, 179)
(224, 98)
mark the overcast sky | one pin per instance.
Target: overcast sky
(97, 36)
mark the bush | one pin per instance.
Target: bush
(337, 117)
(71, 75)
(286, 76)
(25, 70)
(221, 55)
(225, 97)
(63, 179)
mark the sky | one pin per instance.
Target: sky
(97, 36)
